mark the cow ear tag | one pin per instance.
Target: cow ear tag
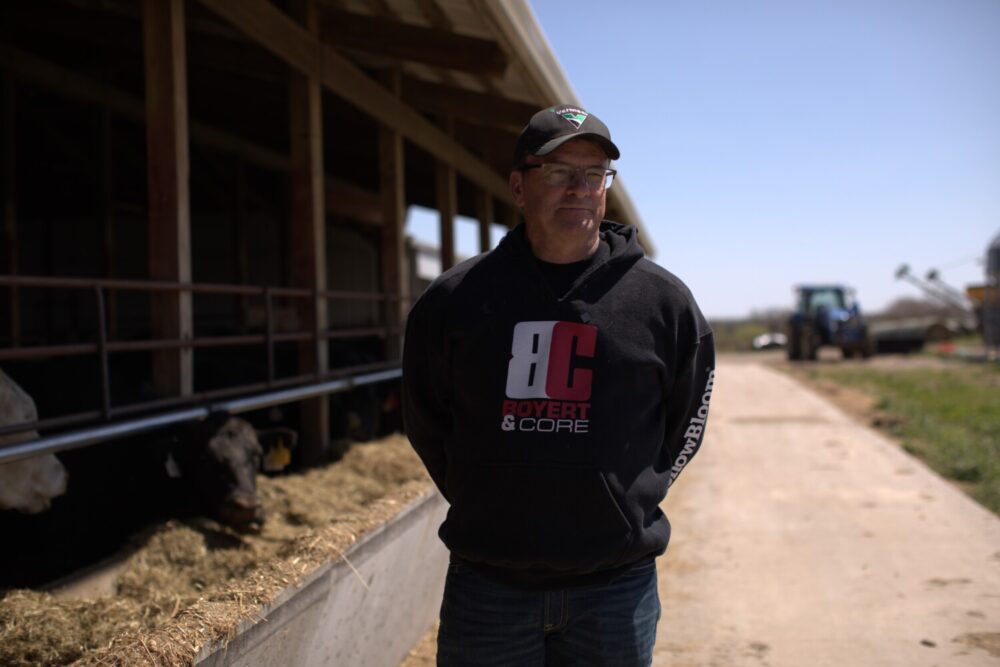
(278, 458)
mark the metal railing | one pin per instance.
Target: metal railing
(103, 347)
(82, 438)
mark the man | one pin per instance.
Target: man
(554, 388)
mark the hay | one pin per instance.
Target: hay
(36, 629)
(188, 583)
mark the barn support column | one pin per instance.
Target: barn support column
(9, 204)
(106, 206)
(169, 200)
(447, 205)
(484, 210)
(393, 194)
(308, 220)
(240, 222)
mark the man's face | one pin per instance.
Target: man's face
(572, 212)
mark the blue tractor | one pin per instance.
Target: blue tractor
(827, 315)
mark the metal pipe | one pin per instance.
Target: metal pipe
(211, 396)
(270, 399)
(78, 349)
(51, 422)
(203, 288)
(76, 439)
(143, 285)
(37, 351)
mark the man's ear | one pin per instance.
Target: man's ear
(516, 183)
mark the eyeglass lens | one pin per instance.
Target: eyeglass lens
(562, 175)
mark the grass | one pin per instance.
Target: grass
(948, 416)
(737, 335)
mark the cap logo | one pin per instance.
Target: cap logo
(574, 116)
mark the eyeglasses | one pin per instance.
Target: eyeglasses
(559, 175)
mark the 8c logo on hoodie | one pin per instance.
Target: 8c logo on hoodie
(544, 365)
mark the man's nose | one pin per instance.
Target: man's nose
(578, 182)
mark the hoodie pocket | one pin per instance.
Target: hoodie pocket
(536, 517)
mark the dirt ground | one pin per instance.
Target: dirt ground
(187, 582)
(804, 537)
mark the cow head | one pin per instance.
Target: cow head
(29, 484)
(221, 456)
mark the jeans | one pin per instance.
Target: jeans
(486, 622)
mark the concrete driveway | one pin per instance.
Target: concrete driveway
(804, 539)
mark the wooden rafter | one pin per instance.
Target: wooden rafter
(272, 29)
(472, 108)
(353, 201)
(439, 19)
(435, 15)
(431, 46)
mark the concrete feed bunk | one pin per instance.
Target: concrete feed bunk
(366, 609)
(347, 570)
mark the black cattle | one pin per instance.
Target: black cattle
(218, 460)
(117, 488)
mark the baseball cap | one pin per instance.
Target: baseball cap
(551, 128)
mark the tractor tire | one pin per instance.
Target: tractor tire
(809, 344)
(794, 344)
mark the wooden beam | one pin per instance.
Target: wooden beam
(106, 206)
(308, 221)
(438, 19)
(273, 30)
(8, 208)
(241, 221)
(169, 200)
(496, 146)
(429, 46)
(352, 201)
(473, 108)
(435, 15)
(392, 186)
(446, 188)
(484, 210)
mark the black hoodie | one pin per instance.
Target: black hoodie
(553, 424)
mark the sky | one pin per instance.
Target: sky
(777, 142)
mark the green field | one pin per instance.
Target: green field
(946, 414)
(737, 335)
